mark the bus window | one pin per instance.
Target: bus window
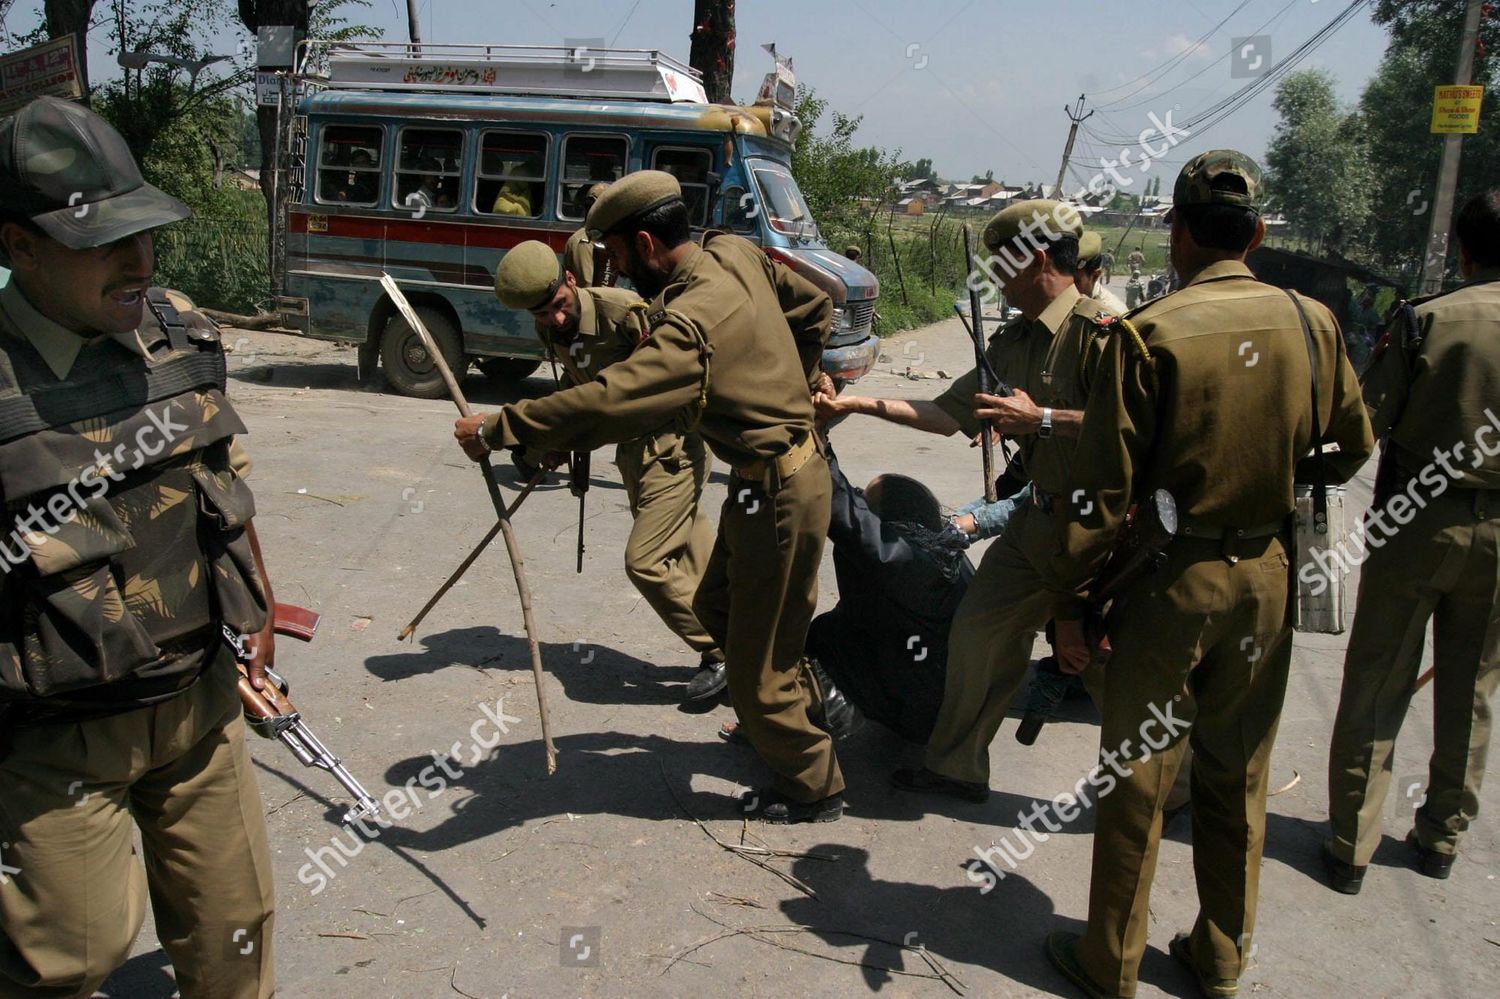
(428, 169)
(690, 167)
(740, 209)
(512, 177)
(588, 159)
(349, 165)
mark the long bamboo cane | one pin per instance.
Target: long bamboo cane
(517, 563)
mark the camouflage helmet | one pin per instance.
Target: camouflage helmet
(71, 173)
(528, 276)
(1218, 177)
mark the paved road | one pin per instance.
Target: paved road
(365, 506)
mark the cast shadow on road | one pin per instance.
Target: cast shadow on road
(1002, 929)
(590, 674)
(606, 773)
(144, 976)
(339, 374)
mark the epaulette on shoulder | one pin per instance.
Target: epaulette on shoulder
(709, 235)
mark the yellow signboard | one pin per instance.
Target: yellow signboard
(1455, 110)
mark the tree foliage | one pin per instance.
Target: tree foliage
(1319, 163)
(1397, 110)
(843, 183)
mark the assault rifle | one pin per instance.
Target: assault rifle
(271, 714)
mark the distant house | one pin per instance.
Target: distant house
(912, 206)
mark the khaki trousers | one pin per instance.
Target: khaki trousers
(989, 648)
(1207, 643)
(1443, 566)
(757, 599)
(180, 772)
(670, 541)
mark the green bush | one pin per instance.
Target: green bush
(218, 261)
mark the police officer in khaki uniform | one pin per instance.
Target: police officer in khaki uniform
(585, 330)
(129, 548)
(1207, 394)
(733, 352)
(582, 257)
(1431, 396)
(1048, 356)
(1090, 276)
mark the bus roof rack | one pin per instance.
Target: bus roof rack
(532, 70)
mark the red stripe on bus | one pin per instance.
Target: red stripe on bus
(416, 231)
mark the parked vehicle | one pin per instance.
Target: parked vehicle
(430, 164)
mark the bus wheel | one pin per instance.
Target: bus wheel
(508, 369)
(408, 367)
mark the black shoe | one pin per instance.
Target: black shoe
(1062, 951)
(924, 781)
(1430, 862)
(1342, 877)
(834, 713)
(777, 809)
(1181, 948)
(707, 682)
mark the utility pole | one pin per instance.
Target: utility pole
(1447, 184)
(1077, 117)
(414, 26)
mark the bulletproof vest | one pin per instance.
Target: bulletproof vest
(123, 535)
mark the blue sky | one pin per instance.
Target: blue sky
(975, 85)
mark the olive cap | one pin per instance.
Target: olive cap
(528, 276)
(1218, 177)
(1090, 247)
(1044, 217)
(70, 172)
(631, 196)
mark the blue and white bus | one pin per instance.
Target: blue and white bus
(430, 164)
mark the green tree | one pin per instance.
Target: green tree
(1319, 163)
(1396, 108)
(843, 183)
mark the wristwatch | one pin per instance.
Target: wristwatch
(1045, 430)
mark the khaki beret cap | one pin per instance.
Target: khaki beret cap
(528, 276)
(1043, 218)
(1090, 246)
(631, 196)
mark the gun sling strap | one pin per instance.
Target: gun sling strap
(1320, 485)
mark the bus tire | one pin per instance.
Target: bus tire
(508, 369)
(408, 368)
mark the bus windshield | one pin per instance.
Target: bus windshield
(785, 206)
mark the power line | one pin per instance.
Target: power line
(1263, 27)
(1174, 60)
(621, 29)
(1156, 98)
(1215, 113)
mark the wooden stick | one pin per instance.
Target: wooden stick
(473, 556)
(1424, 679)
(517, 563)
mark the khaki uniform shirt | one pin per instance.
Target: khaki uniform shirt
(578, 258)
(611, 324)
(1219, 415)
(60, 346)
(733, 352)
(1051, 358)
(1442, 396)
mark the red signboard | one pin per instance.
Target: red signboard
(47, 69)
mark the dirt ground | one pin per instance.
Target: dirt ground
(597, 881)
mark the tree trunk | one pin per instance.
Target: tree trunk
(712, 53)
(254, 14)
(71, 17)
